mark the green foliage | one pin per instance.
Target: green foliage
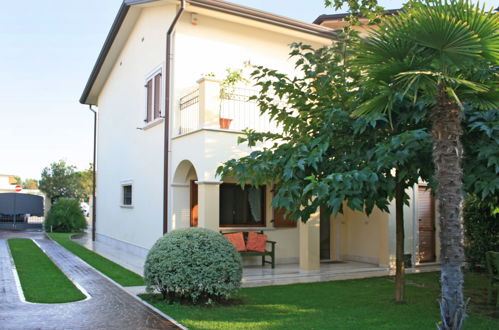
(229, 83)
(111, 269)
(433, 43)
(366, 8)
(481, 153)
(481, 228)
(85, 178)
(41, 280)
(29, 184)
(197, 265)
(324, 156)
(65, 216)
(17, 180)
(60, 180)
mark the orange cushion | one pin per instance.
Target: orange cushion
(238, 240)
(256, 242)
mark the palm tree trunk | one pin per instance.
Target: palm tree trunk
(447, 155)
(399, 224)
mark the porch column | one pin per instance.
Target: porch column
(209, 204)
(310, 243)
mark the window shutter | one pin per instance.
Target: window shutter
(157, 95)
(281, 221)
(149, 101)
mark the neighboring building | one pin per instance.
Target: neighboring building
(7, 183)
(337, 21)
(128, 86)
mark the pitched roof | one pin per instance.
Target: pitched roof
(215, 5)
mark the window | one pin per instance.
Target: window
(153, 97)
(127, 195)
(242, 207)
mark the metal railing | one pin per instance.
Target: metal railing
(236, 111)
(189, 112)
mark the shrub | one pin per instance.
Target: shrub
(65, 216)
(195, 265)
(481, 229)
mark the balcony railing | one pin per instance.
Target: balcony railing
(189, 112)
(207, 107)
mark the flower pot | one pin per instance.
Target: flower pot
(225, 123)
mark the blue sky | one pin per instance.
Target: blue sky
(48, 50)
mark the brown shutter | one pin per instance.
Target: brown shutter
(157, 95)
(149, 101)
(194, 204)
(281, 221)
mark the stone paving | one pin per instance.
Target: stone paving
(109, 307)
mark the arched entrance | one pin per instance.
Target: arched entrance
(185, 196)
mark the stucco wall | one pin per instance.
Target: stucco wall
(125, 152)
(136, 155)
(364, 238)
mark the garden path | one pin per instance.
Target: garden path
(109, 307)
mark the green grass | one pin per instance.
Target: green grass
(114, 271)
(41, 280)
(350, 304)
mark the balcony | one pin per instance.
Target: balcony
(206, 107)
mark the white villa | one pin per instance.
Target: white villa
(155, 92)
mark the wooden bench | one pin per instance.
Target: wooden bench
(270, 251)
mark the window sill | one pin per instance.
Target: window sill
(151, 124)
(126, 206)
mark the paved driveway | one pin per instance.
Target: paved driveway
(109, 307)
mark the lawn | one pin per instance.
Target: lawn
(114, 271)
(350, 304)
(41, 280)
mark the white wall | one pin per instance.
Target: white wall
(127, 153)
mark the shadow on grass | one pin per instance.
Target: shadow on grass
(350, 304)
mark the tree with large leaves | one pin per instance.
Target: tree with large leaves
(326, 158)
(444, 53)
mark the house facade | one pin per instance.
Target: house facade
(165, 123)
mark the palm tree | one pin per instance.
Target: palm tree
(443, 52)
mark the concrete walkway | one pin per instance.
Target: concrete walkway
(254, 276)
(109, 307)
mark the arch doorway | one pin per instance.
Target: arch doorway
(185, 195)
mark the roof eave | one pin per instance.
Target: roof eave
(118, 21)
(220, 6)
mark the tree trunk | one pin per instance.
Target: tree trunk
(447, 155)
(399, 262)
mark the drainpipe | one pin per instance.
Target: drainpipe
(94, 202)
(168, 83)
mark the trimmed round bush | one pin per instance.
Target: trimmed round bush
(65, 216)
(194, 265)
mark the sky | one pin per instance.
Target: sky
(48, 51)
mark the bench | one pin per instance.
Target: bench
(269, 251)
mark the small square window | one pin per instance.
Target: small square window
(127, 194)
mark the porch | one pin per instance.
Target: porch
(253, 276)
